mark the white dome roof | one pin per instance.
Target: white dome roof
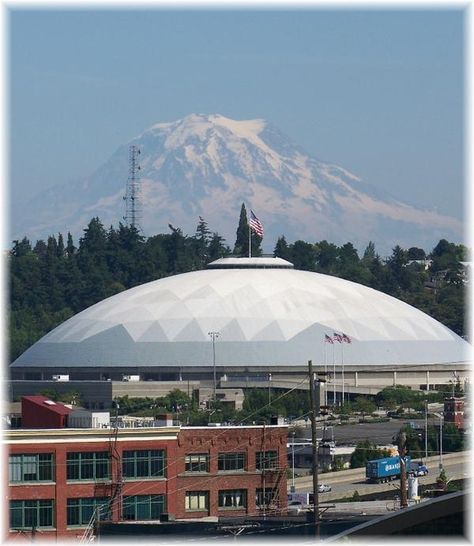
(265, 317)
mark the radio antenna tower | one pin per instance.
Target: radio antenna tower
(132, 195)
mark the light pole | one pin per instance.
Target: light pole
(441, 418)
(293, 461)
(269, 388)
(426, 429)
(213, 336)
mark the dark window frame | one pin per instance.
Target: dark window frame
(266, 460)
(133, 507)
(199, 495)
(43, 465)
(200, 463)
(227, 499)
(88, 466)
(32, 514)
(232, 462)
(144, 463)
(84, 507)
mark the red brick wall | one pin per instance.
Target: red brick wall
(220, 440)
(174, 487)
(62, 490)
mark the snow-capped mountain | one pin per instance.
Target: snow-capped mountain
(208, 165)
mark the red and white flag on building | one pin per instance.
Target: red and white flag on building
(255, 224)
(328, 339)
(346, 339)
(338, 337)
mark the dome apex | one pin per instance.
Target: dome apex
(250, 263)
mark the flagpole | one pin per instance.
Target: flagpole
(250, 240)
(325, 375)
(334, 376)
(342, 349)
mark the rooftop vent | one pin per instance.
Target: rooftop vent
(250, 263)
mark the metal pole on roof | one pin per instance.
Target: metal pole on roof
(314, 397)
(213, 336)
(250, 239)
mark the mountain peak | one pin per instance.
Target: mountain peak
(208, 164)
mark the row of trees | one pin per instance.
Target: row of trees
(54, 279)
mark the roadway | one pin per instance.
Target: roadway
(344, 483)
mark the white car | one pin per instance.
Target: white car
(295, 507)
(323, 488)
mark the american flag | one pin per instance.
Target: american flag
(338, 337)
(346, 339)
(328, 339)
(255, 224)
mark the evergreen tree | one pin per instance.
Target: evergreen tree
(304, 255)
(282, 250)
(217, 249)
(241, 247)
(60, 250)
(202, 240)
(70, 248)
(369, 254)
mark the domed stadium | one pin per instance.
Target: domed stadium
(247, 317)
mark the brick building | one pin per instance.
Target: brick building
(454, 411)
(58, 477)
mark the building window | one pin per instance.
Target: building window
(37, 467)
(80, 511)
(197, 462)
(143, 507)
(233, 498)
(266, 459)
(31, 514)
(144, 464)
(231, 461)
(94, 465)
(264, 497)
(197, 500)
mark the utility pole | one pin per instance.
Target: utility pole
(401, 441)
(293, 462)
(440, 437)
(315, 400)
(213, 336)
(426, 429)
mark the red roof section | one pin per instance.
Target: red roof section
(55, 407)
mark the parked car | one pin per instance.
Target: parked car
(323, 488)
(296, 507)
(420, 470)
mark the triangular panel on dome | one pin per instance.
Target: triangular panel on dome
(112, 337)
(70, 331)
(160, 296)
(291, 327)
(172, 327)
(232, 332)
(138, 327)
(132, 313)
(191, 332)
(271, 332)
(154, 333)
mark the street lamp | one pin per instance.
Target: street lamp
(213, 336)
(426, 429)
(269, 388)
(293, 461)
(441, 418)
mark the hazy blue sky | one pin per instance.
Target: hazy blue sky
(380, 93)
